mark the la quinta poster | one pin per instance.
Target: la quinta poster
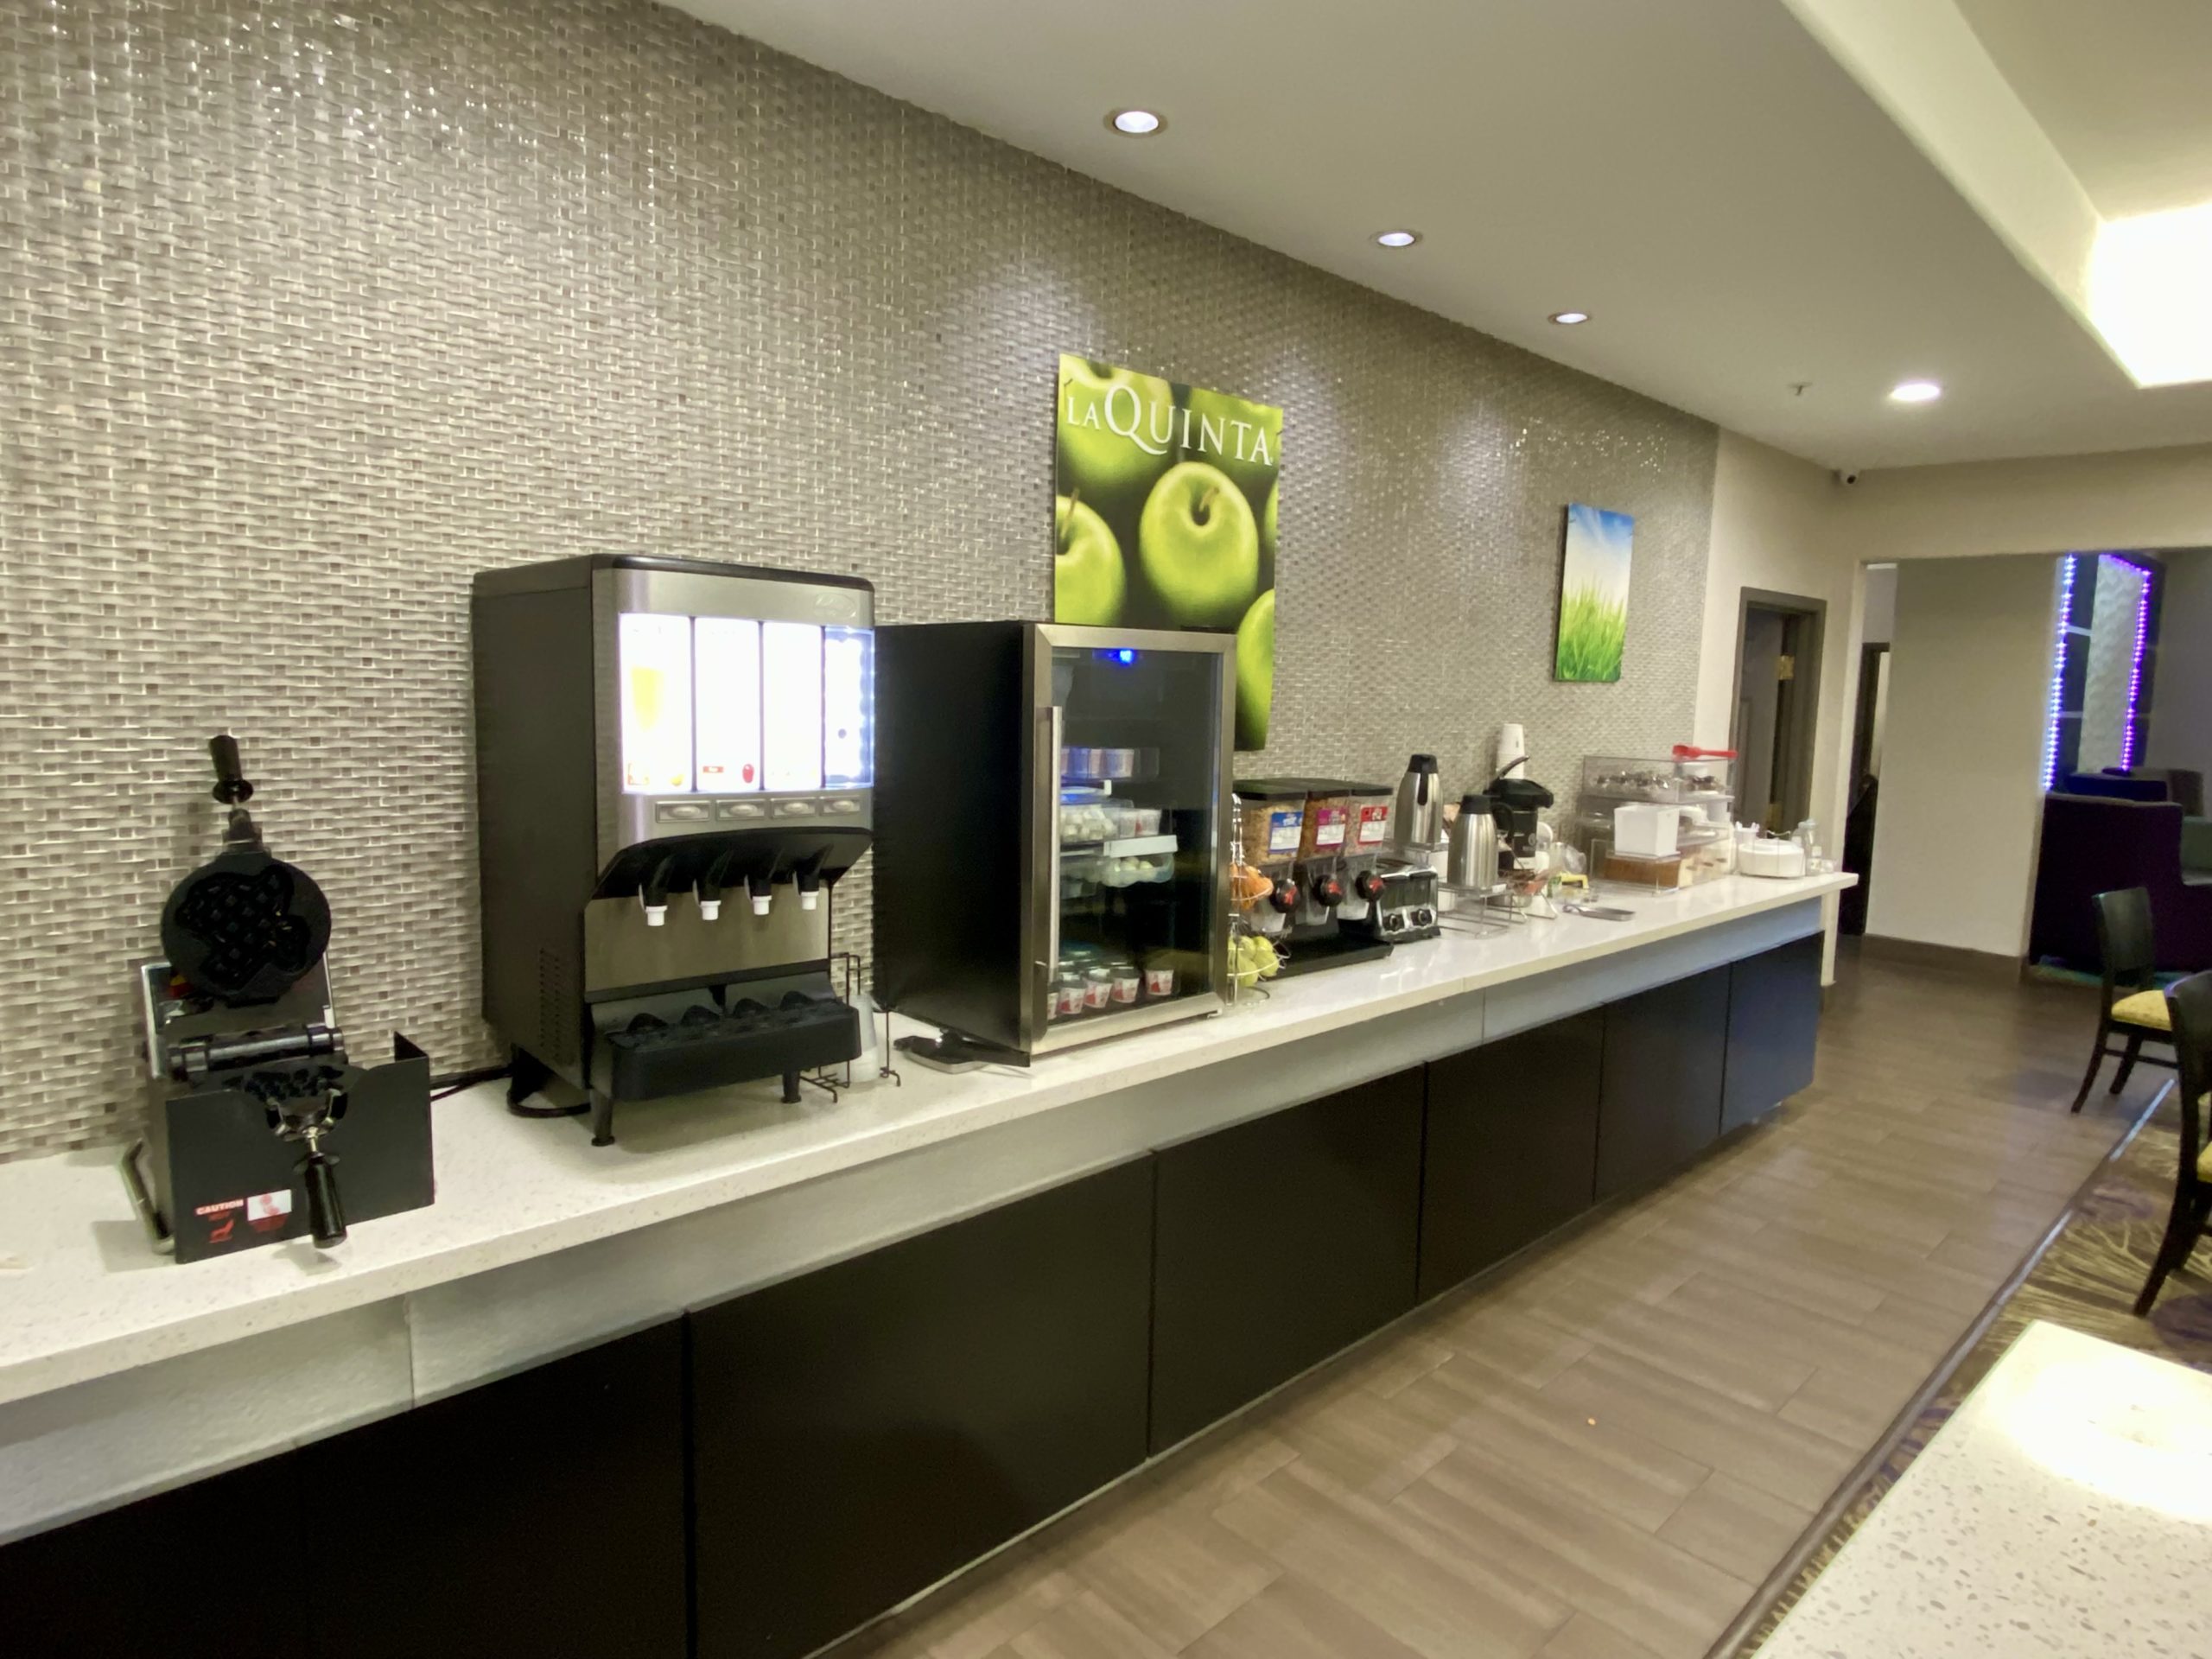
(1164, 516)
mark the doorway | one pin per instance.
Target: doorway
(1778, 641)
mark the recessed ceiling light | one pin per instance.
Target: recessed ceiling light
(1568, 318)
(1135, 123)
(1397, 239)
(1915, 391)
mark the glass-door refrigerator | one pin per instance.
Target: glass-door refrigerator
(1051, 849)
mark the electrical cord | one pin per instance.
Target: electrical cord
(452, 1082)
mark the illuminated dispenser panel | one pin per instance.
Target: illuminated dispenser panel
(729, 721)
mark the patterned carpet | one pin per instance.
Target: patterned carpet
(2087, 1281)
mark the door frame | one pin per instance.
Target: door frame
(1803, 724)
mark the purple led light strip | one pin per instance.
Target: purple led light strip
(2135, 667)
(2066, 567)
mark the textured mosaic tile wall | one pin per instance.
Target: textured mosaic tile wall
(309, 310)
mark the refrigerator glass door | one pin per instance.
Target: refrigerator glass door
(1138, 915)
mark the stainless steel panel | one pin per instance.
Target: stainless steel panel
(649, 818)
(684, 593)
(1095, 1028)
(620, 951)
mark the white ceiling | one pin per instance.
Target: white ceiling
(1699, 175)
(2123, 88)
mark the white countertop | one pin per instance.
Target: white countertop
(2065, 1510)
(83, 1295)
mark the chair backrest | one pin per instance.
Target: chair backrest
(2124, 938)
(2190, 1005)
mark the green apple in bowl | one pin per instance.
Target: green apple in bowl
(1244, 439)
(1199, 547)
(1256, 672)
(1116, 435)
(1089, 582)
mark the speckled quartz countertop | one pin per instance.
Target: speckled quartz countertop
(2066, 1509)
(82, 1295)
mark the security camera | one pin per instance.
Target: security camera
(1847, 476)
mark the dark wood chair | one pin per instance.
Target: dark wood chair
(2134, 1010)
(2190, 1006)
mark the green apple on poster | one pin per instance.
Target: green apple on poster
(1164, 516)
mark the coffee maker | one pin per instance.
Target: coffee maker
(675, 761)
(1514, 803)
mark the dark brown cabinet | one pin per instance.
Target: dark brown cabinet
(1659, 1103)
(1278, 1242)
(860, 1431)
(1512, 1146)
(540, 1514)
(1774, 1024)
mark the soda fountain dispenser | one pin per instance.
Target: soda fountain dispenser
(675, 763)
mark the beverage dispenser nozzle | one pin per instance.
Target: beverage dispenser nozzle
(653, 893)
(810, 884)
(758, 887)
(710, 889)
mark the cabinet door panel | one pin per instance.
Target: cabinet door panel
(541, 1514)
(860, 1431)
(1512, 1146)
(1774, 1026)
(1666, 1052)
(1280, 1241)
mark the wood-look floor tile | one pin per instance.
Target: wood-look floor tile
(1787, 1267)
(1585, 1637)
(992, 1608)
(1739, 1529)
(1984, 1261)
(1590, 1560)
(1209, 1471)
(1548, 1442)
(1294, 1619)
(1501, 1338)
(1174, 1574)
(1086, 1626)
(1361, 1442)
(1417, 1586)
(1763, 1450)
(1851, 1408)
(1859, 1348)
(1722, 1359)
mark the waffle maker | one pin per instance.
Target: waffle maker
(250, 1086)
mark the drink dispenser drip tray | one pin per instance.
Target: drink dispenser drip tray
(674, 1045)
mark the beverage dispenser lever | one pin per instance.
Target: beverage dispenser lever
(810, 884)
(758, 887)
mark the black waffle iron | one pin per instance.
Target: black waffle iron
(253, 1095)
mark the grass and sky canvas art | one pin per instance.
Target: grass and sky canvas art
(1593, 595)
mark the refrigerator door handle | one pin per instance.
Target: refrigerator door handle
(1053, 815)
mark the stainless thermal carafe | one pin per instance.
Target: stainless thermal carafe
(1472, 861)
(1418, 817)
